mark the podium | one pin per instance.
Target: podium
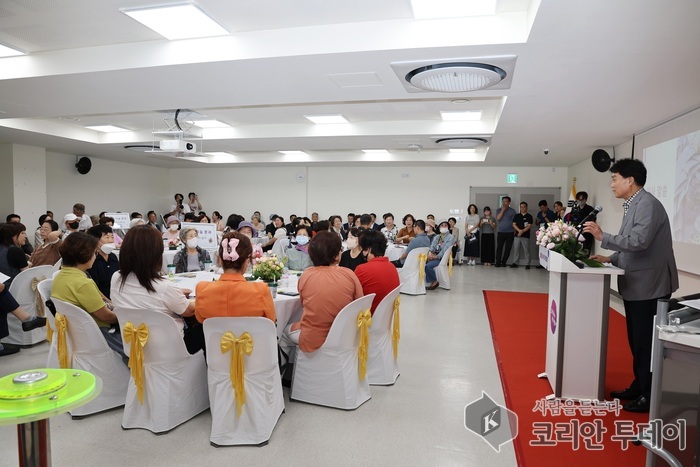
(577, 327)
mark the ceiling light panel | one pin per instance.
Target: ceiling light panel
(209, 124)
(106, 128)
(178, 21)
(469, 115)
(6, 51)
(431, 9)
(326, 119)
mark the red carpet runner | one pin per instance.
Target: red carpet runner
(518, 326)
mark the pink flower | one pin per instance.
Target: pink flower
(556, 232)
(550, 246)
(565, 236)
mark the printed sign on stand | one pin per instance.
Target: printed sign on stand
(121, 219)
(206, 234)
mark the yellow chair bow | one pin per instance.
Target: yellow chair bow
(49, 333)
(422, 259)
(449, 263)
(396, 328)
(37, 296)
(137, 337)
(237, 347)
(364, 321)
(62, 346)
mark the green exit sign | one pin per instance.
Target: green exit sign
(512, 178)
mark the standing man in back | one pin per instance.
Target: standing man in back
(644, 249)
(505, 236)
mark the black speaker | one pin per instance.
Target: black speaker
(83, 165)
(601, 160)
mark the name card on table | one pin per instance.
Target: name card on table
(206, 234)
(121, 219)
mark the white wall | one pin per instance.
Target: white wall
(29, 179)
(330, 190)
(109, 186)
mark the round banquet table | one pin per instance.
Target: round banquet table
(394, 252)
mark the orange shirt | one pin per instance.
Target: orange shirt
(324, 291)
(232, 295)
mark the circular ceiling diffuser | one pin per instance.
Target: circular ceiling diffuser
(456, 77)
(462, 143)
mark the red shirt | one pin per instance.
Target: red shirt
(377, 276)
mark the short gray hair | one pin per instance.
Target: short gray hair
(184, 231)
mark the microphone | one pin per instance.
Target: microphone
(590, 216)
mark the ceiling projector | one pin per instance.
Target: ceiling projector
(177, 145)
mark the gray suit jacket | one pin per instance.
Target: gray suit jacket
(644, 250)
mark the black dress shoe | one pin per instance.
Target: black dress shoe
(527, 267)
(639, 405)
(513, 265)
(625, 394)
(8, 351)
(498, 265)
(433, 286)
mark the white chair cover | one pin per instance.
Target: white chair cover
(89, 351)
(442, 272)
(382, 368)
(329, 376)
(175, 382)
(264, 401)
(57, 265)
(411, 282)
(45, 292)
(21, 290)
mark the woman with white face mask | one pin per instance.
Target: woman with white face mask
(440, 246)
(353, 256)
(172, 230)
(298, 257)
(192, 257)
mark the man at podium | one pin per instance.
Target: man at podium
(643, 248)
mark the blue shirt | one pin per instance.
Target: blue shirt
(442, 244)
(419, 241)
(505, 225)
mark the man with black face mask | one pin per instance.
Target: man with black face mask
(71, 223)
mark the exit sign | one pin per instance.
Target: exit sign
(512, 178)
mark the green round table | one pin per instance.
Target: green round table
(29, 398)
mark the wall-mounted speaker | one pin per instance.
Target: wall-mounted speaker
(83, 165)
(601, 160)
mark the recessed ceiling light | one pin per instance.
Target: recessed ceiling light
(469, 115)
(324, 119)
(293, 153)
(177, 21)
(106, 128)
(6, 51)
(460, 101)
(463, 151)
(375, 151)
(429, 9)
(209, 124)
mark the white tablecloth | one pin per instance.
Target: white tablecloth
(394, 252)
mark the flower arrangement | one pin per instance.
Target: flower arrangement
(564, 239)
(268, 268)
(173, 243)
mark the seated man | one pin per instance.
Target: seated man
(377, 275)
(419, 241)
(442, 244)
(106, 263)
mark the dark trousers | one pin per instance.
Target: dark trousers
(639, 315)
(8, 304)
(194, 336)
(504, 238)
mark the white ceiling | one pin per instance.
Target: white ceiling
(588, 75)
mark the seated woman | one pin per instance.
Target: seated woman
(440, 246)
(298, 258)
(12, 259)
(232, 295)
(390, 230)
(353, 256)
(218, 220)
(406, 234)
(203, 219)
(73, 285)
(109, 222)
(106, 263)
(257, 225)
(172, 229)
(140, 285)
(47, 252)
(192, 258)
(336, 223)
(324, 290)
(8, 304)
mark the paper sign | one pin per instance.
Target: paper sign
(121, 219)
(206, 234)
